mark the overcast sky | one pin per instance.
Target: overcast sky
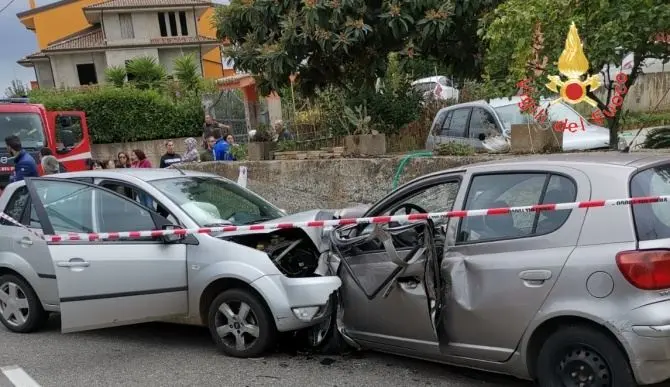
(16, 42)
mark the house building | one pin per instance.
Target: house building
(79, 39)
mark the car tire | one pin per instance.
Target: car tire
(574, 353)
(325, 338)
(241, 325)
(31, 318)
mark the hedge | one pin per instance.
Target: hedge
(127, 114)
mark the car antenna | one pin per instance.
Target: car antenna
(180, 171)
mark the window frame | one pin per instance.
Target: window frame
(183, 23)
(158, 220)
(162, 25)
(486, 111)
(548, 175)
(127, 185)
(631, 178)
(467, 122)
(130, 28)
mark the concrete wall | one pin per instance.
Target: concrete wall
(119, 57)
(299, 185)
(647, 92)
(166, 56)
(145, 26)
(65, 67)
(153, 149)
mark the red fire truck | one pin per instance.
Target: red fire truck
(65, 133)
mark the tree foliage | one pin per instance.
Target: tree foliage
(520, 34)
(328, 41)
(187, 72)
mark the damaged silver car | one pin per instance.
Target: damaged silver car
(246, 287)
(566, 298)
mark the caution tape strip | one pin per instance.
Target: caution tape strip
(344, 222)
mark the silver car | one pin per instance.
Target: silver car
(567, 298)
(244, 290)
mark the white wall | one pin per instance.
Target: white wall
(45, 77)
(168, 55)
(119, 57)
(65, 67)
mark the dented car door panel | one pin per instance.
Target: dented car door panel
(386, 291)
(496, 287)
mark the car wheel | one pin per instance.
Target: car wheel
(582, 356)
(240, 324)
(324, 337)
(20, 309)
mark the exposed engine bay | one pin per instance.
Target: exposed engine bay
(292, 251)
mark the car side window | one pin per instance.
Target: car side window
(16, 206)
(436, 198)
(482, 124)
(457, 124)
(139, 196)
(444, 124)
(78, 208)
(515, 190)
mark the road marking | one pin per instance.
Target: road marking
(18, 377)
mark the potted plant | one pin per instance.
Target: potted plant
(363, 140)
(260, 144)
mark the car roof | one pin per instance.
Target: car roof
(145, 174)
(611, 159)
(429, 79)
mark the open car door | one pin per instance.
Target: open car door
(112, 282)
(71, 138)
(390, 275)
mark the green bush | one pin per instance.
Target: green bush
(127, 114)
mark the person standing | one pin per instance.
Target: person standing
(50, 165)
(221, 147)
(207, 154)
(170, 157)
(123, 160)
(24, 163)
(208, 128)
(191, 154)
(139, 159)
(47, 152)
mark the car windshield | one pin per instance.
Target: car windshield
(27, 126)
(511, 114)
(212, 201)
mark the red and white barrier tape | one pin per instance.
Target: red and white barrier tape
(342, 222)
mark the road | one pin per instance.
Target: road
(175, 355)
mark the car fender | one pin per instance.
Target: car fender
(16, 263)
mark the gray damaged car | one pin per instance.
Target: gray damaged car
(246, 287)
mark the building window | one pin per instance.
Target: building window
(126, 23)
(169, 19)
(173, 24)
(161, 23)
(86, 73)
(182, 22)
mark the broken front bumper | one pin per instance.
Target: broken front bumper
(297, 303)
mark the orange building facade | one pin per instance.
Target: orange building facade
(62, 20)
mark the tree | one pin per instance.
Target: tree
(116, 75)
(145, 73)
(16, 89)
(187, 72)
(346, 42)
(526, 37)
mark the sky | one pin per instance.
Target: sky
(16, 42)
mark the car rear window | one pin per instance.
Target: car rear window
(652, 221)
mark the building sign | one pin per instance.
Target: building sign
(571, 86)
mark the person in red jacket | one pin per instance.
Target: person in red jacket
(139, 159)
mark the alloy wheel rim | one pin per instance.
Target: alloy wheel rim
(14, 306)
(237, 325)
(581, 366)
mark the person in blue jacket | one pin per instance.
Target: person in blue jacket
(24, 163)
(221, 148)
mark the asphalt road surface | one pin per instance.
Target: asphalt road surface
(176, 355)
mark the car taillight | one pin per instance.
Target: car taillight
(645, 269)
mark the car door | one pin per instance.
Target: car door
(110, 282)
(390, 273)
(454, 128)
(501, 268)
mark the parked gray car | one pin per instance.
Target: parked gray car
(245, 287)
(568, 298)
(473, 122)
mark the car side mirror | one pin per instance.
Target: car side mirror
(172, 238)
